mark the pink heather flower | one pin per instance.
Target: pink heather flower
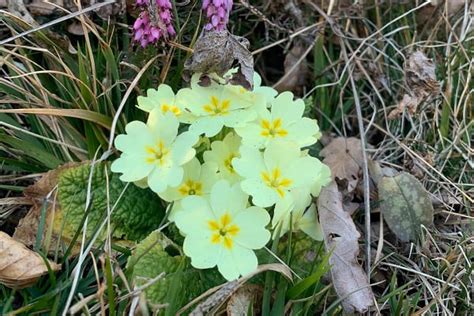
(141, 3)
(147, 28)
(217, 12)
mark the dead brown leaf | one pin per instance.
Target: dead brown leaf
(296, 71)
(75, 28)
(20, 267)
(219, 294)
(421, 84)
(344, 157)
(116, 9)
(39, 7)
(216, 51)
(420, 76)
(41, 188)
(409, 103)
(36, 193)
(240, 301)
(341, 237)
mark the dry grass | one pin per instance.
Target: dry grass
(355, 62)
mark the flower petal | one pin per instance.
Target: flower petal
(304, 131)
(250, 164)
(137, 138)
(220, 194)
(303, 171)
(164, 126)
(309, 224)
(239, 118)
(133, 168)
(285, 107)
(182, 150)
(208, 125)
(236, 262)
(163, 177)
(262, 195)
(280, 154)
(194, 214)
(251, 136)
(204, 254)
(252, 234)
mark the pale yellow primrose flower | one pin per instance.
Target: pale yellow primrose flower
(166, 101)
(222, 153)
(322, 178)
(294, 209)
(219, 105)
(154, 151)
(268, 92)
(197, 180)
(284, 121)
(271, 175)
(223, 230)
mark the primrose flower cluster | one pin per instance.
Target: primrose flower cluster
(233, 164)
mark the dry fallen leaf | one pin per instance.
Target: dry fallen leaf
(20, 267)
(408, 102)
(421, 83)
(219, 294)
(240, 301)
(75, 28)
(216, 51)
(36, 193)
(296, 71)
(420, 75)
(344, 157)
(341, 237)
(116, 9)
(41, 188)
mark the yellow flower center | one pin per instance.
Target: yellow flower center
(228, 163)
(272, 128)
(190, 187)
(223, 231)
(156, 154)
(275, 181)
(170, 108)
(217, 107)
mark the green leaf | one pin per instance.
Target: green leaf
(85, 115)
(34, 152)
(405, 205)
(305, 255)
(309, 281)
(137, 213)
(180, 282)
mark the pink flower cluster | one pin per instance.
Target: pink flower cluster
(217, 12)
(151, 25)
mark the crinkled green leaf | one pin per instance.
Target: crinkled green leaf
(181, 282)
(138, 212)
(405, 205)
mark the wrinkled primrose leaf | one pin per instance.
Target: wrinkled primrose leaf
(405, 205)
(57, 215)
(136, 214)
(179, 284)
